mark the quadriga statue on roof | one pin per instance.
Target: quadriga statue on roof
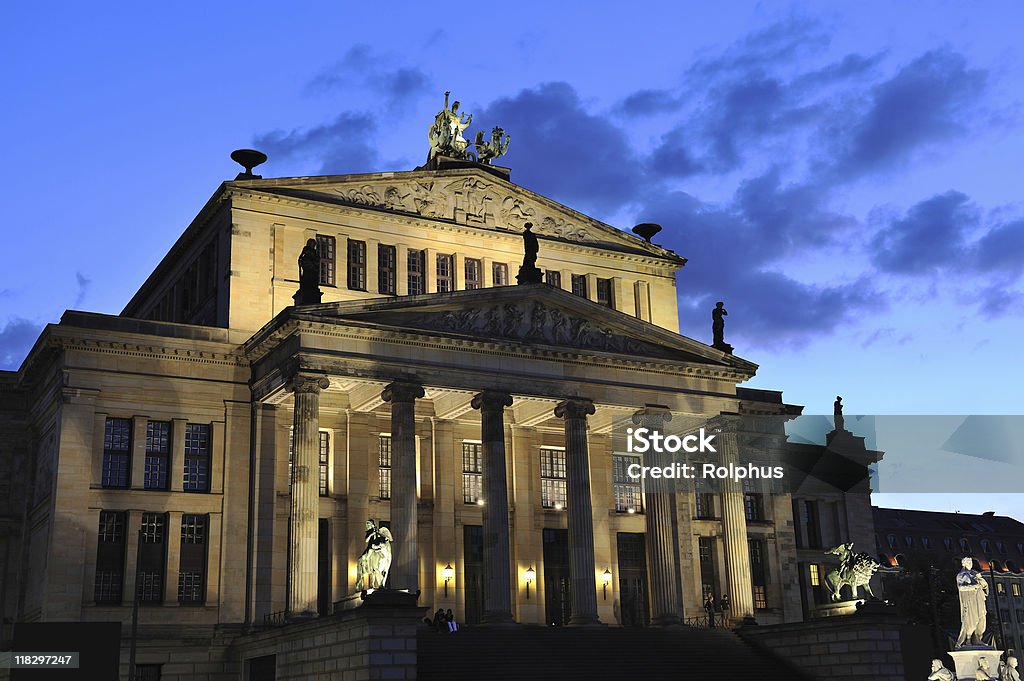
(445, 137)
(487, 151)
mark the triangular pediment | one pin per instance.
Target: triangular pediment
(537, 315)
(469, 196)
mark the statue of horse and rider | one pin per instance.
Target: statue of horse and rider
(855, 569)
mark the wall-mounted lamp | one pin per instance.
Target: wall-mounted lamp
(447, 573)
(531, 575)
(607, 579)
(479, 502)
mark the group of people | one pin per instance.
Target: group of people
(443, 620)
(712, 608)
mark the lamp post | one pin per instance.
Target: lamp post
(607, 579)
(447, 573)
(531, 575)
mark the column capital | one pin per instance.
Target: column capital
(402, 392)
(652, 415)
(491, 400)
(307, 383)
(576, 408)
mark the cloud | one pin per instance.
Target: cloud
(929, 237)
(647, 103)
(16, 339)
(83, 288)
(363, 68)
(567, 152)
(341, 146)
(1001, 250)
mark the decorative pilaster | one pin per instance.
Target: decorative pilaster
(498, 587)
(305, 498)
(581, 515)
(661, 523)
(405, 550)
(734, 530)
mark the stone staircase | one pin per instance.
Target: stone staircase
(531, 653)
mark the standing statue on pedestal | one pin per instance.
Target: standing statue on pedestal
(973, 591)
(375, 562)
(529, 273)
(309, 292)
(939, 672)
(837, 413)
(718, 328)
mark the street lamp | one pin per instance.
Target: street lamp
(446, 574)
(607, 579)
(531, 575)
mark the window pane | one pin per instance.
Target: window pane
(117, 442)
(445, 273)
(579, 285)
(417, 271)
(604, 292)
(325, 244)
(386, 269)
(627, 490)
(554, 278)
(552, 473)
(325, 454)
(157, 454)
(474, 274)
(500, 273)
(197, 458)
(385, 467)
(357, 265)
(472, 472)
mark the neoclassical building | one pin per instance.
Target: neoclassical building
(218, 450)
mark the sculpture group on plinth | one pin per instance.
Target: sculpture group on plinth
(973, 658)
(374, 563)
(855, 570)
(446, 139)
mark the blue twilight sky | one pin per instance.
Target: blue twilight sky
(845, 176)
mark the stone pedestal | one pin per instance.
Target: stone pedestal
(967, 660)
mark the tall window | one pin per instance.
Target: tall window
(627, 490)
(356, 265)
(192, 561)
(552, 478)
(499, 271)
(157, 454)
(110, 557)
(417, 272)
(553, 278)
(384, 465)
(474, 274)
(706, 558)
(325, 458)
(753, 501)
(704, 501)
(387, 269)
(152, 552)
(579, 285)
(758, 577)
(604, 292)
(325, 245)
(472, 472)
(815, 574)
(197, 458)
(445, 273)
(809, 517)
(117, 446)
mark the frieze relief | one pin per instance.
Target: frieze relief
(531, 322)
(468, 201)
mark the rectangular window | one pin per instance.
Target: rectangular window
(192, 560)
(197, 458)
(760, 597)
(325, 245)
(815, 575)
(553, 278)
(417, 272)
(110, 557)
(158, 438)
(1015, 588)
(627, 490)
(325, 457)
(152, 553)
(753, 501)
(445, 273)
(706, 556)
(117, 448)
(552, 478)
(704, 501)
(499, 271)
(472, 472)
(356, 265)
(384, 465)
(579, 285)
(387, 269)
(474, 274)
(809, 517)
(604, 293)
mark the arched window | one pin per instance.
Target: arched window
(1011, 566)
(892, 541)
(900, 560)
(908, 540)
(948, 541)
(996, 566)
(986, 546)
(926, 542)
(965, 546)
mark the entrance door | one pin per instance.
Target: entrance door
(633, 609)
(557, 596)
(473, 550)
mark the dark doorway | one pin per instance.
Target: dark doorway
(473, 550)
(633, 609)
(557, 597)
(323, 573)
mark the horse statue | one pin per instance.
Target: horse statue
(855, 569)
(486, 151)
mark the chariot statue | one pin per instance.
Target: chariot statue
(855, 569)
(445, 134)
(487, 151)
(375, 562)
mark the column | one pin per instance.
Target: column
(497, 588)
(305, 497)
(405, 551)
(661, 524)
(581, 515)
(734, 530)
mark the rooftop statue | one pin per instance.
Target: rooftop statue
(718, 316)
(487, 151)
(529, 273)
(373, 565)
(309, 292)
(837, 413)
(855, 569)
(445, 132)
(973, 592)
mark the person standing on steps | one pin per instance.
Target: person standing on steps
(709, 607)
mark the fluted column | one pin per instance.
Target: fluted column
(405, 550)
(581, 515)
(498, 586)
(661, 539)
(734, 529)
(305, 494)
